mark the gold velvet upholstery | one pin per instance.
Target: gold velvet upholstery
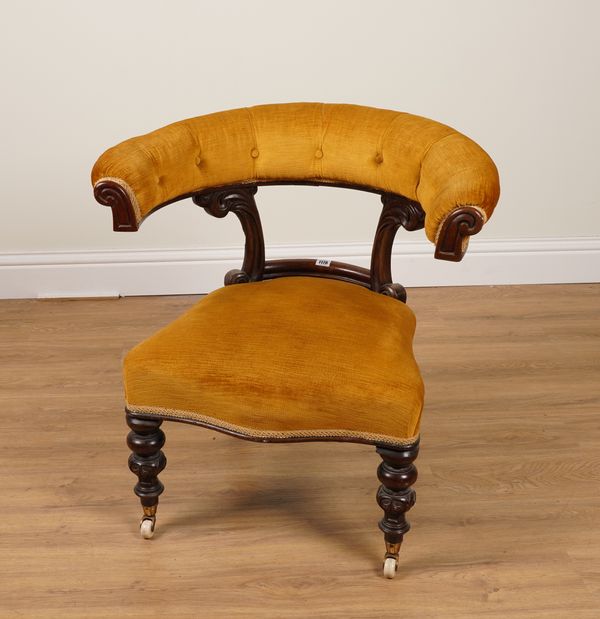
(295, 349)
(382, 149)
(292, 357)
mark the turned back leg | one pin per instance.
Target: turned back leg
(147, 461)
(395, 496)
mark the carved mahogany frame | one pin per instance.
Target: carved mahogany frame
(397, 211)
(240, 201)
(456, 228)
(113, 195)
(397, 472)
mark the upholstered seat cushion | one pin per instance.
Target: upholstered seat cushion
(295, 357)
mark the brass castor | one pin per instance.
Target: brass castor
(148, 522)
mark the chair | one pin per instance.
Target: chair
(295, 350)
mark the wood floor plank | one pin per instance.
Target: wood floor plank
(506, 522)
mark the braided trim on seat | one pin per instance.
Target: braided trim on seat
(272, 435)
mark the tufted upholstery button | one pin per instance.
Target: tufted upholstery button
(311, 128)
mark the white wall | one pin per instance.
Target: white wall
(521, 77)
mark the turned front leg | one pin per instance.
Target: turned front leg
(147, 461)
(397, 474)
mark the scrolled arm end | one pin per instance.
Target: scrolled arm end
(117, 195)
(453, 238)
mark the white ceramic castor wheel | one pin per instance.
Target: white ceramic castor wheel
(390, 566)
(147, 528)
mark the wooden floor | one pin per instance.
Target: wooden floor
(507, 520)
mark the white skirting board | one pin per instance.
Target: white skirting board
(195, 271)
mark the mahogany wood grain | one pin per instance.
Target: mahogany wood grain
(395, 496)
(309, 267)
(455, 232)
(147, 460)
(113, 195)
(240, 201)
(397, 211)
(450, 244)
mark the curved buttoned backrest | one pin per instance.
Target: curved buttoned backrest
(382, 150)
